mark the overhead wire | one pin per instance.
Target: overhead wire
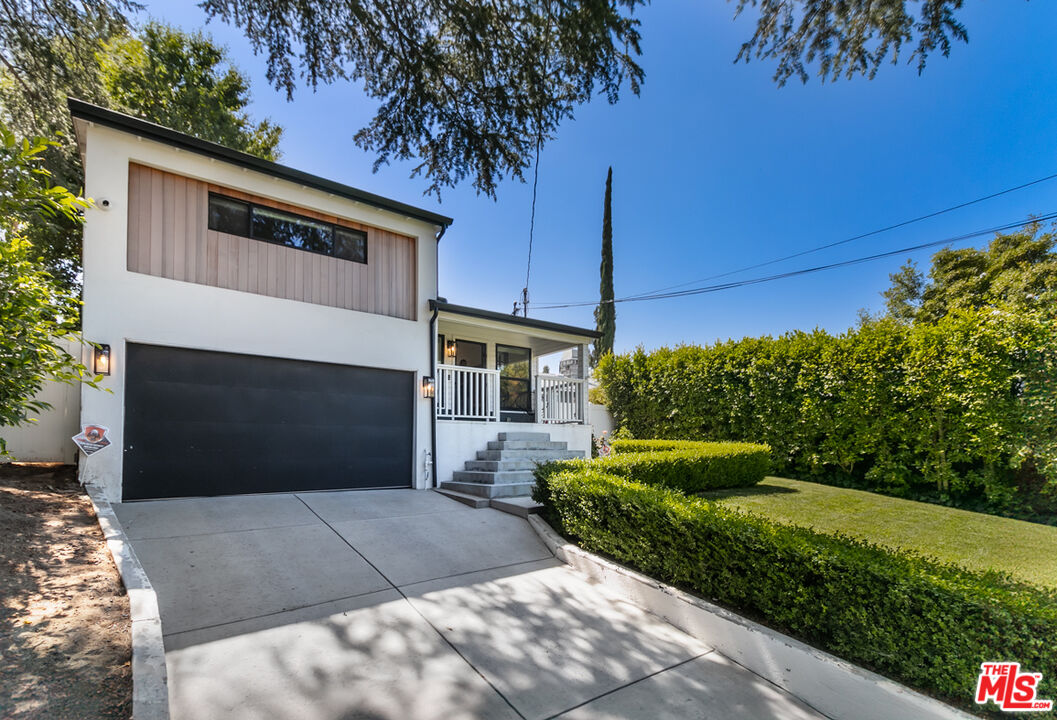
(827, 246)
(805, 271)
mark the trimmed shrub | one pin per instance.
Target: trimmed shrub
(962, 411)
(638, 446)
(921, 622)
(685, 465)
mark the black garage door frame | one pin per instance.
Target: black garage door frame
(207, 423)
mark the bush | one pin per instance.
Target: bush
(961, 411)
(920, 622)
(683, 465)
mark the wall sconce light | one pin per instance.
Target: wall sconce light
(101, 359)
(429, 387)
(449, 348)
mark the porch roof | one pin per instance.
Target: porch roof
(521, 323)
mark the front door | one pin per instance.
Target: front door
(515, 384)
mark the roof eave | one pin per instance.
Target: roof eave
(142, 128)
(512, 319)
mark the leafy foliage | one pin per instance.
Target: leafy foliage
(35, 311)
(469, 88)
(960, 411)
(921, 622)
(606, 312)
(185, 82)
(847, 39)
(161, 74)
(688, 466)
(1017, 269)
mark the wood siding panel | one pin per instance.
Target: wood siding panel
(168, 236)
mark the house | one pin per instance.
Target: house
(267, 330)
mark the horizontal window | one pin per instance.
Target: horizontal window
(237, 217)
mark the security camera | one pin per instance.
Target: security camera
(104, 204)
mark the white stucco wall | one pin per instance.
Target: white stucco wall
(48, 439)
(599, 418)
(122, 307)
(459, 441)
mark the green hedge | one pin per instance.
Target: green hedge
(920, 622)
(684, 465)
(962, 411)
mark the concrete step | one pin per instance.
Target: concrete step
(492, 478)
(538, 455)
(526, 445)
(501, 465)
(473, 501)
(485, 490)
(520, 506)
(545, 437)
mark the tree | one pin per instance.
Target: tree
(34, 309)
(1015, 270)
(606, 312)
(903, 298)
(184, 81)
(161, 74)
(470, 88)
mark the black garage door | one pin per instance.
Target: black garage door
(208, 423)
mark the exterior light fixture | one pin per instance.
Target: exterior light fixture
(101, 359)
(449, 348)
(429, 387)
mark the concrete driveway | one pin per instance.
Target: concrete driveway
(404, 605)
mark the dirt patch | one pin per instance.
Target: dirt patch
(65, 633)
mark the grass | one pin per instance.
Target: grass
(1027, 551)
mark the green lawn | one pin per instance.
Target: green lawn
(1025, 550)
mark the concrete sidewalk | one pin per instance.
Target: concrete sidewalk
(404, 605)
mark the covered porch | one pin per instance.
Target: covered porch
(509, 392)
(501, 368)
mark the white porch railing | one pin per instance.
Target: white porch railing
(560, 399)
(465, 393)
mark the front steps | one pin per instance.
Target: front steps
(505, 469)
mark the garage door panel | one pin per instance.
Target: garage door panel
(206, 423)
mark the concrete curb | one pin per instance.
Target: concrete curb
(832, 686)
(150, 686)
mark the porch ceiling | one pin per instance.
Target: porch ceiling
(541, 342)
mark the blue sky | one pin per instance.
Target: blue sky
(715, 168)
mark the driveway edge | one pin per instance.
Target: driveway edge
(833, 687)
(150, 685)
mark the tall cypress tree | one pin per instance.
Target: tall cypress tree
(606, 312)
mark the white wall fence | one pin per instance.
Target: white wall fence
(466, 393)
(48, 437)
(560, 399)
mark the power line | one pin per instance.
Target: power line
(806, 271)
(809, 251)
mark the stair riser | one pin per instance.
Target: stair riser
(490, 491)
(538, 437)
(526, 445)
(493, 478)
(501, 465)
(537, 455)
(469, 500)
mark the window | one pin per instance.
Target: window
(236, 217)
(292, 231)
(229, 216)
(470, 354)
(350, 244)
(515, 388)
